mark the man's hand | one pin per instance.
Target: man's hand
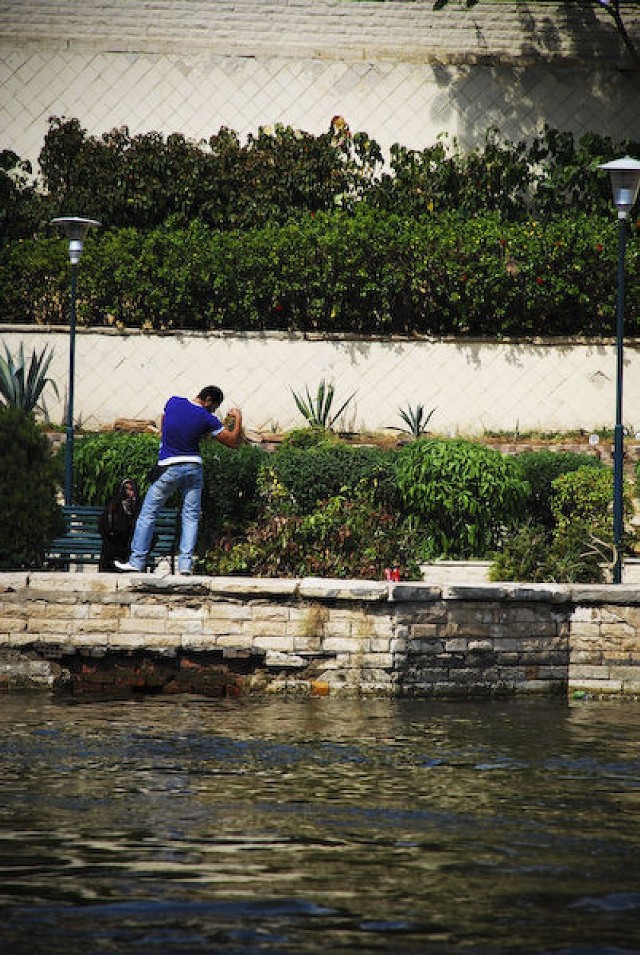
(232, 436)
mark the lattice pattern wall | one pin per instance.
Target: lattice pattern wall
(398, 70)
(473, 386)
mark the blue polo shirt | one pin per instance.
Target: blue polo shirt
(184, 425)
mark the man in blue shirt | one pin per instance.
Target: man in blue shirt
(184, 423)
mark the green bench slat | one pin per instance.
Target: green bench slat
(82, 542)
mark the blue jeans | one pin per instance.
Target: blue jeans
(186, 478)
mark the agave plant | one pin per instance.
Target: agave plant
(22, 387)
(317, 411)
(415, 420)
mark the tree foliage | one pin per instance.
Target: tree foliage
(29, 514)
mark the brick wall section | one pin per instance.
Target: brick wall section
(108, 633)
(323, 29)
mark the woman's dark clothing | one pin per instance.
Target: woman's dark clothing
(116, 525)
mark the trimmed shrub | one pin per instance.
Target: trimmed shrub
(29, 480)
(585, 497)
(461, 496)
(323, 470)
(540, 469)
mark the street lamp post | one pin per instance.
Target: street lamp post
(75, 228)
(625, 183)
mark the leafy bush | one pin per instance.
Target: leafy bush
(532, 554)
(101, 461)
(29, 479)
(462, 497)
(579, 546)
(355, 535)
(230, 492)
(316, 473)
(144, 180)
(539, 469)
(147, 180)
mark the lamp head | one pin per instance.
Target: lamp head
(625, 183)
(75, 228)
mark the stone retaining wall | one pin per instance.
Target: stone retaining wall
(221, 636)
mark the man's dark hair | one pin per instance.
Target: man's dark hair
(212, 392)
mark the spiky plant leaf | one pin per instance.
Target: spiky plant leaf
(22, 388)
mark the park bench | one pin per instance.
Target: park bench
(81, 543)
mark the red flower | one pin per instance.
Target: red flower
(599, 247)
(539, 280)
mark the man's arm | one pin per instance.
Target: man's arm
(233, 435)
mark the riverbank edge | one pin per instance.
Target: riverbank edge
(104, 633)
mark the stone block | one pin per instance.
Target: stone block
(605, 687)
(263, 612)
(270, 629)
(456, 645)
(583, 671)
(329, 589)
(226, 611)
(305, 644)
(142, 625)
(271, 642)
(424, 631)
(9, 625)
(349, 645)
(178, 626)
(146, 610)
(43, 625)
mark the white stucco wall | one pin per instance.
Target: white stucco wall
(475, 386)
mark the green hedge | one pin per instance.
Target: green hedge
(317, 233)
(368, 271)
(312, 475)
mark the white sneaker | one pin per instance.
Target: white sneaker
(126, 567)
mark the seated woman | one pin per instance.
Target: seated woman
(117, 523)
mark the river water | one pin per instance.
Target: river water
(167, 827)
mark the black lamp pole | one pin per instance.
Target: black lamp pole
(75, 229)
(625, 182)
